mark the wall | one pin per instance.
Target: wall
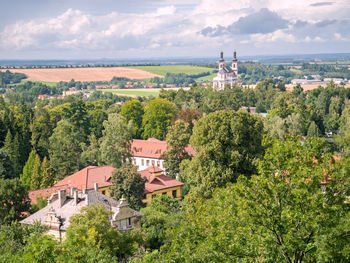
(141, 167)
(168, 191)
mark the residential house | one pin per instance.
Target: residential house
(146, 153)
(61, 207)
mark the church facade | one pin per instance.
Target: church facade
(226, 75)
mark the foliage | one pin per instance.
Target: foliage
(115, 142)
(128, 183)
(36, 177)
(6, 167)
(65, 149)
(163, 214)
(280, 215)
(47, 178)
(28, 170)
(91, 153)
(177, 139)
(227, 144)
(157, 118)
(13, 200)
(133, 110)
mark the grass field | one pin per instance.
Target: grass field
(133, 93)
(162, 70)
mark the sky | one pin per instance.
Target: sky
(131, 29)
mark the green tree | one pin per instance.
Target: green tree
(28, 170)
(77, 115)
(178, 138)
(13, 148)
(13, 199)
(228, 144)
(128, 183)
(133, 110)
(92, 229)
(313, 130)
(36, 177)
(91, 153)
(157, 118)
(282, 214)
(65, 149)
(163, 214)
(6, 166)
(47, 179)
(115, 142)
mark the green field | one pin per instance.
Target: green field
(51, 84)
(162, 70)
(139, 93)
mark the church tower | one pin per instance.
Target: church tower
(221, 61)
(234, 64)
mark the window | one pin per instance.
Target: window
(134, 161)
(103, 192)
(174, 193)
(129, 221)
(152, 162)
(153, 196)
(142, 162)
(158, 163)
(147, 162)
(164, 193)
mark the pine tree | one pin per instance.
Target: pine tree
(313, 130)
(36, 179)
(12, 147)
(28, 170)
(46, 174)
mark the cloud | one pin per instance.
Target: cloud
(322, 4)
(261, 22)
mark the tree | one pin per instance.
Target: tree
(228, 144)
(313, 130)
(128, 183)
(6, 167)
(65, 149)
(283, 214)
(157, 118)
(47, 179)
(133, 110)
(36, 178)
(12, 147)
(13, 200)
(77, 115)
(115, 142)
(28, 170)
(91, 153)
(92, 230)
(178, 138)
(164, 213)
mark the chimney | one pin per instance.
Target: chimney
(96, 186)
(75, 196)
(61, 197)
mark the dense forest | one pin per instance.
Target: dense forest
(261, 189)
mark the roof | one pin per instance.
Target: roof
(153, 148)
(45, 192)
(87, 177)
(157, 182)
(70, 208)
(226, 69)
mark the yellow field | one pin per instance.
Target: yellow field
(84, 74)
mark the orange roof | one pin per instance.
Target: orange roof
(159, 182)
(85, 178)
(153, 148)
(45, 192)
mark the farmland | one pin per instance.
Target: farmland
(84, 74)
(136, 92)
(176, 69)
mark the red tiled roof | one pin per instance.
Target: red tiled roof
(45, 192)
(158, 182)
(85, 178)
(153, 148)
(154, 169)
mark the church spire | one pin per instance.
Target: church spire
(234, 56)
(221, 56)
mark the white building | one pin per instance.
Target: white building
(146, 153)
(226, 75)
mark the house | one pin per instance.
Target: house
(149, 152)
(61, 207)
(226, 75)
(159, 184)
(98, 177)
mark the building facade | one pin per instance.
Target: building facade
(226, 75)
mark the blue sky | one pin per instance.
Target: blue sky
(78, 29)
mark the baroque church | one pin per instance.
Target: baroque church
(226, 75)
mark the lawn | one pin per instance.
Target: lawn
(176, 69)
(140, 93)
